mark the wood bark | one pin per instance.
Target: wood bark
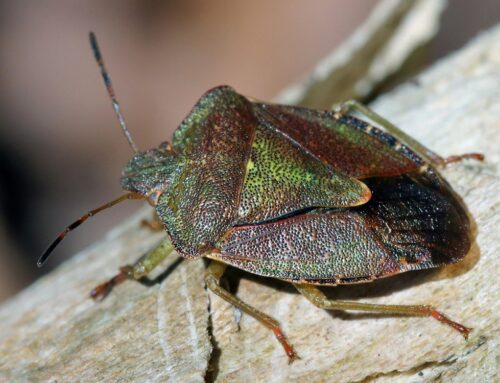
(175, 331)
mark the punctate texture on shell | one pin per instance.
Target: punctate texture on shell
(405, 226)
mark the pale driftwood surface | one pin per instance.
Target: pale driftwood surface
(52, 331)
(173, 331)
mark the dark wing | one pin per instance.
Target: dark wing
(349, 145)
(405, 226)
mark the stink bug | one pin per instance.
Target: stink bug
(312, 197)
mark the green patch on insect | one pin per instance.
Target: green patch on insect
(312, 197)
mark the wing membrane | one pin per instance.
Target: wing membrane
(405, 226)
(343, 144)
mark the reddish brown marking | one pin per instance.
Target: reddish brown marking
(101, 291)
(365, 156)
(474, 156)
(290, 351)
(457, 326)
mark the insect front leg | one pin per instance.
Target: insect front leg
(155, 223)
(212, 280)
(315, 296)
(430, 156)
(143, 266)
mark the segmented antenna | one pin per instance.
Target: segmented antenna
(111, 92)
(81, 220)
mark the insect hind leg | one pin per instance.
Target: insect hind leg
(212, 280)
(315, 296)
(421, 150)
(143, 266)
(458, 158)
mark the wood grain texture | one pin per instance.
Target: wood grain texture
(53, 331)
(173, 331)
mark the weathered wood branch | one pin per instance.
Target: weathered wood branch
(175, 331)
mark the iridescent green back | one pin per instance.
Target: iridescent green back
(303, 195)
(215, 143)
(237, 171)
(282, 178)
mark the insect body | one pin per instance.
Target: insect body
(311, 197)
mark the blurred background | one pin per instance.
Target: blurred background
(61, 151)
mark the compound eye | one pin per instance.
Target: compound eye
(166, 146)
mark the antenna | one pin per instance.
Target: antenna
(111, 92)
(81, 220)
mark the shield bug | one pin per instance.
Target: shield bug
(312, 197)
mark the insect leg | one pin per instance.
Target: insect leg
(212, 278)
(155, 224)
(314, 295)
(460, 157)
(139, 269)
(421, 150)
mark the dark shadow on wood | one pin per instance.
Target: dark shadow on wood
(160, 278)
